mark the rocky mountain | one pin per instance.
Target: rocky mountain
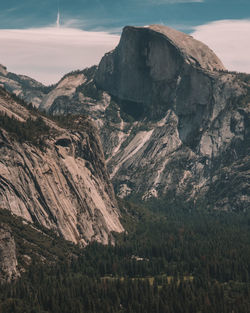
(174, 124)
(23, 86)
(190, 135)
(150, 68)
(55, 176)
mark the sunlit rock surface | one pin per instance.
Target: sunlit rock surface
(173, 122)
(63, 185)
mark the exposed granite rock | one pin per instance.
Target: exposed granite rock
(64, 185)
(188, 118)
(66, 87)
(193, 51)
(23, 86)
(76, 93)
(150, 65)
(8, 260)
(173, 123)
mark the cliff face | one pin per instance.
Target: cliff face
(173, 123)
(61, 183)
(151, 66)
(191, 122)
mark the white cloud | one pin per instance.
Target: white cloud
(48, 53)
(229, 39)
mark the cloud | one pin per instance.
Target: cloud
(48, 53)
(229, 39)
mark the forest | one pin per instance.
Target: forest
(171, 260)
(31, 131)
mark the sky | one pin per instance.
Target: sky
(36, 42)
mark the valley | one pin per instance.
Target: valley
(124, 187)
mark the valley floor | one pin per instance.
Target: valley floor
(169, 261)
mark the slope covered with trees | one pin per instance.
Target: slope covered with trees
(179, 261)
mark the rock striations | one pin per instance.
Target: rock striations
(60, 181)
(173, 122)
(190, 135)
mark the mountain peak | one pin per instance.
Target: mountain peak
(194, 51)
(150, 65)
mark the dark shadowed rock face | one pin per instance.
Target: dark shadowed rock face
(151, 66)
(184, 107)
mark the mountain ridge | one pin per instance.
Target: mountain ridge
(56, 176)
(176, 142)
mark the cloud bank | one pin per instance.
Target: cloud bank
(46, 54)
(229, 39)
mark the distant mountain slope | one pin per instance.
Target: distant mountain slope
(55, 176)
(23, 86)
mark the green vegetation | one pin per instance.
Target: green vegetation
(112, 113)
(35, 130)
(173, 260)
(245, 77)
(32, 130)
(90, 90)
(36, 241)
(177, 261)
(89, 72)
(4, 93)
(29, 83)
(70, 121)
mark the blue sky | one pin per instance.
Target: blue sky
(101, 21)
(114, 14)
